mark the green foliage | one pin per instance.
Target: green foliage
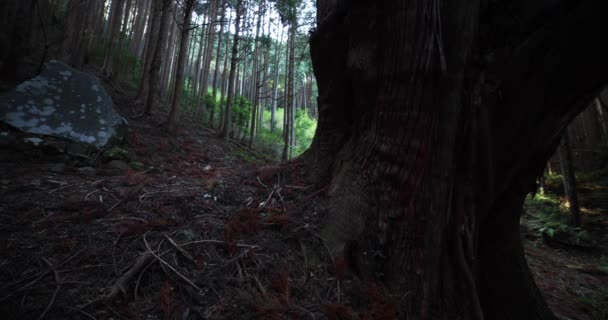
(241, 112)
(270, 143)
(549, 217)
(305, 128)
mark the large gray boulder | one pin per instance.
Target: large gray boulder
(62, 102)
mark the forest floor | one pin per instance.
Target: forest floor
(205, 229)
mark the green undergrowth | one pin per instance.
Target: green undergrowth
(546, 214)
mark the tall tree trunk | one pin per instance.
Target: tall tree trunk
(113, 38)
(157, 57)
(198, 64)
(233, 64)
(208, 53)
(169, 46)
(435, 119)
(602, 119)
(255, 79)
(74, 47)
(275, 82)
(570, 190)
(216, 83)
(263, 86)
(224, 81)
(122, 39)
(179, 69)
(289, 103)
(153, 43)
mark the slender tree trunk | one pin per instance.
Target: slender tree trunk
(179, 69)
(157, 57)
(195, 85)
(224, 81)
(216, 83)
(263, 87)
(208, 53)
(602, 119)
(233, 63)
(255, 79)
(153, 43)
(275, 83)
(169, 46)
(122, 39)
(289, 103)
(570, 190)
(113, 38)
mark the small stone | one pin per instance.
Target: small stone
(135, 165)
(88, 171)
(118, 165)
(58, 168)
(34, 141)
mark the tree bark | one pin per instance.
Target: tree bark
(179, 69)
(208, 53)
(570, 190)
(216, 83)
(226, 128)
(255, 79)
(435, 120)
(157, 57)
(152, 44)
(275, 83)
(113, 38)
(224, 79)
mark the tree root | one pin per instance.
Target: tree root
(122, 282)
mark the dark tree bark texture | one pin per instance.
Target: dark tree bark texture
(435, 120)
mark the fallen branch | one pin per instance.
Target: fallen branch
(122, 282)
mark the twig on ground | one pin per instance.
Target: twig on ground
(58, 281)
(50, 305)
(145, 195)
(114, 206)
(121, 283)
(306, 274)
(262, 183)
(94, 183)
(38, 277)
(259, 284)
(219, 242)
(88, 315)
(263, 204)
(139, 277)
(179, 248)
(170, 266)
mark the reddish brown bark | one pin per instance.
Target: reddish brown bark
(435, 119)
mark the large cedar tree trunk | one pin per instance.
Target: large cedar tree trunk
(435, 119)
